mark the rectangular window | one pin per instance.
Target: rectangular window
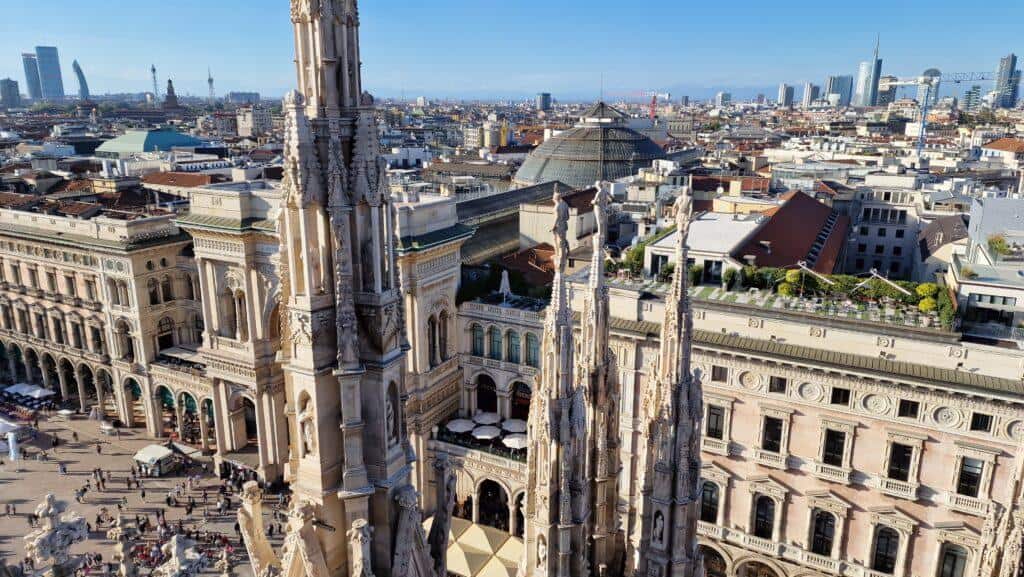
(881, 232)
(719, 374)
(771, 440)
(835, 448)
(777, 385)
(897, 251)
(864, 230)
(69, 282)
(969, 482)
(33, 278)
(715, 428)
(90, 290)
(879, 249)
(840, 396)
(51, 282)
(900, 457)
(981, 422)
(908, 409)
(862, 248)
(900, 232)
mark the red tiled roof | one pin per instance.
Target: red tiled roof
(790, 233)
(184, 179)
(581, 200)
(1006, 145)
(537, 264)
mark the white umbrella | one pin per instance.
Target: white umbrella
(487, 418)
(514, 441)
(514, 425)
(486, 433)
(41, 393)
(460, 425)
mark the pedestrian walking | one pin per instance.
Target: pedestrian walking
(99, 448)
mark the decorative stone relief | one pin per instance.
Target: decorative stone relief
(750, 380)
(877, 404)
(957, 352)
(948, 417)
(755, 323)
(817, 332)
(1016, 430)
(810, 392)
(886, 342)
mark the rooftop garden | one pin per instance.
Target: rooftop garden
(868, 299)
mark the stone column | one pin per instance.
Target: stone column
(476, 504)
(101, 395)
(219, 418)
(512, 520)
(204, 428)
(90, 344)
(63, 383)
(81, 390)
(12, 367)
(179, 417)
(211, 300)
(44, 374)
(262, 442)
(504, 404)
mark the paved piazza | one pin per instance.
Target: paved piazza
(24, 484)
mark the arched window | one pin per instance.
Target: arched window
(887, 546)
(190, 290)
(953, 561)
(512, 355)
(443, 320)
(709, 502)
(486, 394)
(521, 394)
(165, 288)
(478, 340)
(494, 334)
(125, 340)
(823, 533)
(532, 351)
(241, 317)
(432, 337)
(154, 292)
(764, 518)
(227, 314)
(165, 333)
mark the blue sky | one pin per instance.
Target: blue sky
(513, 48)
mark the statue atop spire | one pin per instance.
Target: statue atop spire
(665, 542)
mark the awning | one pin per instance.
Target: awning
(152, 454)
(476, 550)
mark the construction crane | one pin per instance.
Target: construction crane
(654, 95)
(931, 92)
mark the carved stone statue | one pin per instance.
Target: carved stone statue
(307, 425)
(360, 537)
(561, 230)
(250, 524)
(55, 535)
(183, 559)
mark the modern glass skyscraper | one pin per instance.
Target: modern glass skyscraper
(841, 85)
(785, 95)
(867, 81)
(9, 95)
(49, 73)
(1007, 82)
(35, 91)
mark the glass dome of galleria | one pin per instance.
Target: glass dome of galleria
(600, 147)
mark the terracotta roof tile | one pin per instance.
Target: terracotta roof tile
(1015, 145)
(537, 264)
(184, 179)
(791, 232)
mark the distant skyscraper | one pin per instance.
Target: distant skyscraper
(28, 60)
(972, 99)
(760, 99)
(50, 78)
(1007, 82)
(929, 90)
(243, 97)
(10, 97)
(868, 76)
(684, 100)
(83, 86)
(544, 101)
(723, 99)
(811, 93)
(841, 85)
(887, 86)
(785, 95)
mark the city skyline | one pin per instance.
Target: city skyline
(508, 54)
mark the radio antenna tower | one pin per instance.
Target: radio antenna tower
(156, 87)
(209, 80)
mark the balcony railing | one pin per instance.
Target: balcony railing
(766, 546)
(832, 473)
(821, 563)
(715, 446)
(770, 459)
(710, 530)
(901, 489)
(967, 504)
